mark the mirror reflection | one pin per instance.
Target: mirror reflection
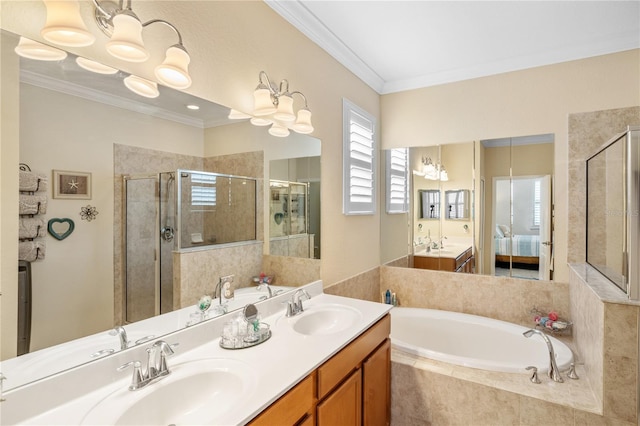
(493, 210)
(294, 207)
(75, 120)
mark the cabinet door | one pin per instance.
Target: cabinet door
(376, 387)
(344, 405)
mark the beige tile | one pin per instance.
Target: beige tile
(620, 388)
(588, 419)
(535, 412)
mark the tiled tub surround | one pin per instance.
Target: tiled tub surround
(65, 398)
(605, 343)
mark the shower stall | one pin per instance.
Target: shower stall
(172, 212)
(148, 262)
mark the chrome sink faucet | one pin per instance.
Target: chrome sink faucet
(553, 373)
(294, 306)
(122, 334)
(268, 287)
(156, 365)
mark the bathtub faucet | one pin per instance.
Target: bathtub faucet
(553, 373)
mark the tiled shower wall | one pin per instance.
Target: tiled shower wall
(588, 131)
(243, 261)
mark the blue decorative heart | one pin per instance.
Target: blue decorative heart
(57, 235)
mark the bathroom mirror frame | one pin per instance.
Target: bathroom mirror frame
(11, 38)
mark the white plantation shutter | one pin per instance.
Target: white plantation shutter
(359, 160)
(205, 193)
(536, 203)
(397, 164)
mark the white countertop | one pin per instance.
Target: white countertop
(278, 364)
(450, 251)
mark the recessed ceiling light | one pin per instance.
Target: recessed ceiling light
(193, 107)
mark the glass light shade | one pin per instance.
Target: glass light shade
(258, 121)
(303, 123)
(94, 66)
(285, 109)
(64, 25)
(444, 176)
(262, 104)
(141, 86)
(173, 72)
(126, 41)
(279, 130)
(33, 50)
(234, 114)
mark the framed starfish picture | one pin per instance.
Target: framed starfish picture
(71, 185)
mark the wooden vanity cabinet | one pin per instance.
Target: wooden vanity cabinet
(351, 388)
(463, 263)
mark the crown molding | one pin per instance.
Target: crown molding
(94, 95)
(296, 13)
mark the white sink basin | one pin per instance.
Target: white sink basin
(325, 319)
(196, 392)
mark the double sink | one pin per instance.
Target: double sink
(211, 385)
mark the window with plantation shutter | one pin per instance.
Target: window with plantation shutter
(359, 160)
(536, 203)
(397, 181)
(203, 189)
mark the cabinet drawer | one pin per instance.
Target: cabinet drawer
(332, 372)
(291, 407)
(460, 260)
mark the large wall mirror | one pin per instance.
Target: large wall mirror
(495, 200)
(80, 122)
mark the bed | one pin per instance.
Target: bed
(526, 249)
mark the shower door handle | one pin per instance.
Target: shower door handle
(547, 243)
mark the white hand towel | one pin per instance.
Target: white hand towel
(31, 250)
(31, 227)
(33, 204)
(32, 182)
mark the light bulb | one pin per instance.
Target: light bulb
(33, 50)
(126, 41)
(64, 25)
(262, 104)
(278, 130)
(141, 86)
(173, 72)
(94, 66)
(285, 109)
(303, 123)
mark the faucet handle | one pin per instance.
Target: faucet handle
(572, 372)
(137, 378)
(534, 375)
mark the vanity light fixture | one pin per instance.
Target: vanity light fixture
(64, 26)
(432, 171)
(142, 86)
(33, 50)
(273, 106)
(94, 66)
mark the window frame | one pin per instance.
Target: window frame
(354, 115)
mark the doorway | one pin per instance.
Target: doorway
(522, 227)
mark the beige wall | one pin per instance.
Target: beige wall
(527, 102)
(230, 42)
(80, 268)
(9, 133)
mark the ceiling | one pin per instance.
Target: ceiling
(395, 45)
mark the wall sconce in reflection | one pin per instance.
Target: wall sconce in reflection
(432, 171)
(273, 106)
